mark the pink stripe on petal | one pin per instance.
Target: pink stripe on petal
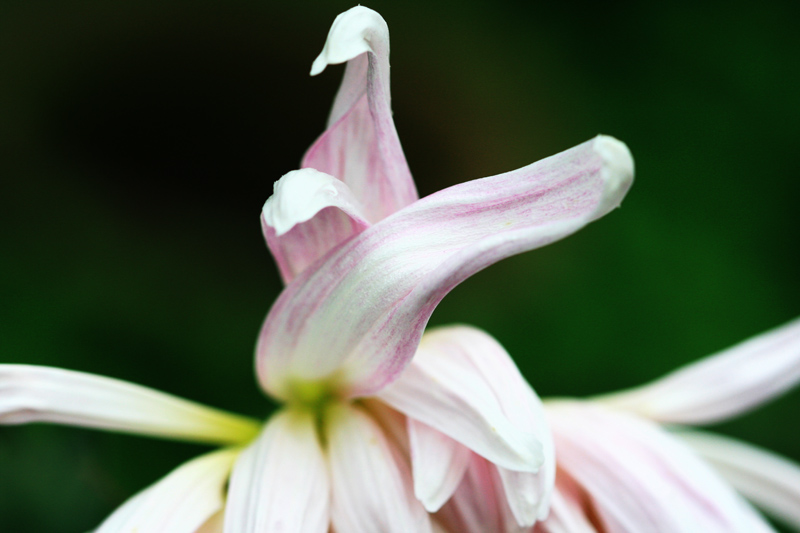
(361, 146)
(371, 486)
(280, 482)
(640, 478)
(356, 319)
(722, 385)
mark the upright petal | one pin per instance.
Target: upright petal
(356, 319)
(309, 213)
(770, 481)
(181, 502)
(280, 482)
(45, 394)
(722, 385)
(463, 383)
(371, 485)
(361, 146)
(640, 478)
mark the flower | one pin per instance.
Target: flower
(365, 264)
(619, 470)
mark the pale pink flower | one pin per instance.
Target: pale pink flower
(627, 463)
(361, 441)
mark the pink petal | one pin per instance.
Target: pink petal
(770, 481)
(45, 394)
(463, 383)
(179, 503)
(355, 321)
(280, 482)
(308, 214)
(361, 146)
(567, 513)
(640, 478)
(722, 385)
(438, 463)
(371, 486)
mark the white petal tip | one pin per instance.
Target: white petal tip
(617, 169)
(297, 197)
(352, 34)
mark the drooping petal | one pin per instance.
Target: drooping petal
(722, 385)
(463, 383)
(770, 481)
(479, 504)
(356, 319)
(360, 146)
(181, 502)
(280, 482)
(640, 478)
(438, 464)
(371, 486)
(308, 214)
(45, 394)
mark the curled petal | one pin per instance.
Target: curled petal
(722, 385)
(280, 482)
(770, 481)
(640, 478)
(438, 464)
(355, 320)
(45, 394)
(371, 486)
(181, 502)
(307, 215)
(361, 146)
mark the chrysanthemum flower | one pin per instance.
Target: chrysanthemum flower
(627, 463)
(365, 264)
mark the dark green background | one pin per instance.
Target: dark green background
(139, 140)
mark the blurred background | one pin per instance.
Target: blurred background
(139, 140)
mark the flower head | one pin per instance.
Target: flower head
(360, 441)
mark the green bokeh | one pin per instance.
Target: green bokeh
(138, 142)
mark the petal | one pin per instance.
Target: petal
(45, 394)
(567, 512)
(723, 385)
(355, 321)
(360, 146)
(463, 383)
(280, 482)
(371, 485)
(214, 524)
(307, 215)
(640, 478)
(438, 464)
(181, 502)
(770, 481)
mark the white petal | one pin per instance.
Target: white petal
(438, 463)
(567, 515)
(45, 394)
(640, 478)
(357, 318)
(280, 482)
(300, 196)
(723, 385)
(770, 481)
(371, 486)
(179, 503)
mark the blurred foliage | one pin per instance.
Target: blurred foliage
(138, 141)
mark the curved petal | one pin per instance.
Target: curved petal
(371, 486)
(463, 383)
(770, 481)
(722, 385)
(280, 482)
(640, 478)
(309, 213)
(438, 464)
(567, 512)
(181, 502)
(355, 321)
(360, 146)
(45, 394)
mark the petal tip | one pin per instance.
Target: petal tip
(298, 196)
(618, 169)
(352, 34)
